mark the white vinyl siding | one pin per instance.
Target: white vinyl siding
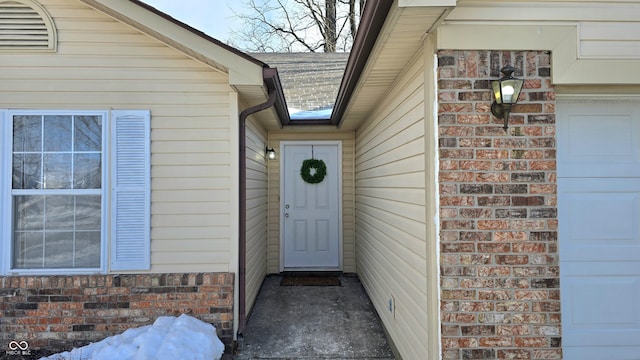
(348, 233)
(104, 64)
(256, 236)
(609, 40)
(390, 212)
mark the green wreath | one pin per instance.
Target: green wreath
(318, 176)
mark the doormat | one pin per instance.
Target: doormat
(310, 281)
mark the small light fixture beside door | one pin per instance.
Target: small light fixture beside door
(270, 152)
(506, 91)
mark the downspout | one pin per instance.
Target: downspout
(276, 97)
(242, 272)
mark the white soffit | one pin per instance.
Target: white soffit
(427, 3)
(399, 42)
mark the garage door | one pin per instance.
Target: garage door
(599, 218)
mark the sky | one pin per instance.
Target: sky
(214, 17)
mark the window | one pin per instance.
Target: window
(57, 191)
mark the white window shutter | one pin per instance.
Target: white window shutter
(131, 190)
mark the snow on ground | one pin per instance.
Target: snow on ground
(184, 337)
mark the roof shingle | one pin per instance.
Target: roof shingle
(310, 80)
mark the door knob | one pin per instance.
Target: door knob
(286, 214)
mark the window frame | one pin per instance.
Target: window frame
(6, 195)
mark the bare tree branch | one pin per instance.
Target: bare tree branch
(330, 26)
(296, 25)
(352, 18)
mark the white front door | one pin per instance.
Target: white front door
(311, 212)
(599, 220)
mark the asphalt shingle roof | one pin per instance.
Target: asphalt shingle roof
(310, 80)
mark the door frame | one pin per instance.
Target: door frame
(338, 144)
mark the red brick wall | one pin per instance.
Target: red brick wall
(55, 313)
(498, 210)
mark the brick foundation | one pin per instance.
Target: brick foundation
(55, 313)
(498, 211)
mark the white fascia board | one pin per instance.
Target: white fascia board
(545, 10)
(241, 70)
(567, 67)
(511, 36)
(561, 40)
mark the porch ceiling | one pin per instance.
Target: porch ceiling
(400, 40)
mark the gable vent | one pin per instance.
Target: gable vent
(25, 25)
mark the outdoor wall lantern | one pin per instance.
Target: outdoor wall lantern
(506, 91)
(271, 154)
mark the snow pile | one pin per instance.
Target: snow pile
(322, 114)
(169, 337)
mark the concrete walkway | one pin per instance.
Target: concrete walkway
(314, 322)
